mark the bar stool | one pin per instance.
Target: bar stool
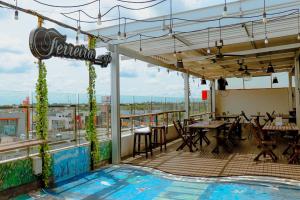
(162, 131)
(146, 132)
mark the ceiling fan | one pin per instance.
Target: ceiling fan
(219, 55)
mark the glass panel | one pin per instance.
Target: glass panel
(234, 83)
(258, 82)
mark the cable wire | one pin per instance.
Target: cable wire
(60, 6)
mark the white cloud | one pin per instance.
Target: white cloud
(71, 76)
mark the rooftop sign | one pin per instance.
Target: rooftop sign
(45, 43)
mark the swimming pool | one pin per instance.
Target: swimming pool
(125, 182)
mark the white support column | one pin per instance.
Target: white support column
(290, 91)
(297, 88)
(213, 96)
(186, 95)
(115, 106)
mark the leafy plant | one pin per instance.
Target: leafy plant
(42, 121)
(91, 133)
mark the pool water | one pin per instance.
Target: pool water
(126, 182)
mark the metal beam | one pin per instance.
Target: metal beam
(155, 60)
(186, 95)
(290, 92)
(297, 88)
(293, 46)
(115, 106)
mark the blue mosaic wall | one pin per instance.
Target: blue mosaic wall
(70, 163)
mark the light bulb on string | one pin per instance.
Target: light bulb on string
(265, 20)
(77, 40)
(266, 40)
(99, 22)
(124, 36)
(119, 35)
(78, 30)
(99, 15)
(208, 50)
(16, 15)
(225, 10)
(16, 11)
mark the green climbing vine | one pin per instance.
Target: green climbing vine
(91, 133)
(42, 121)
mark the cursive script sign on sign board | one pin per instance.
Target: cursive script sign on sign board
(45, 43)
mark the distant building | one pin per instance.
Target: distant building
(12, 125)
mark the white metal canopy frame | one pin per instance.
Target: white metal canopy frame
(208, 45)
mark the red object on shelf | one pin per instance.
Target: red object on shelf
(204, 94)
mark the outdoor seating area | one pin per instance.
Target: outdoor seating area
(231, 134)
(229, 149)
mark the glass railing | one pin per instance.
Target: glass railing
(68, 114)
(131, 122)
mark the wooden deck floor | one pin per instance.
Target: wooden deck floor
(205, 164)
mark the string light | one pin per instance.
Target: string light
(124, 36)
(174, 52)
(141, 45)
(16, 11)
(77, 33)
(78, 27)
(208, 48)
(264, 13)
(119, 37)
(266, 37)
(77, 40)
(99, 16)
(171, 19)
(225, 10)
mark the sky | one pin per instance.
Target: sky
(18, 70)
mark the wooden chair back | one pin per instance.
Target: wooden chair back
(270, 118)
(258, 131)
(245, 116)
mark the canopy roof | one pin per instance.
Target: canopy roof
(191, 30)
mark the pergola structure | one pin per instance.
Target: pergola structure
(249, 46)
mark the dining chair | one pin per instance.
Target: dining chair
(226, 139)
(294, 158)
(266, 143)
(249, 123)
(185, 136)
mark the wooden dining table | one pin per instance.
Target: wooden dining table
(217, 125)
(227, 117)
(286, 127)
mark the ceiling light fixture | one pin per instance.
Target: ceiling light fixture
(275, 80)
(203, 81)
(179, 63)
(270, 68)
